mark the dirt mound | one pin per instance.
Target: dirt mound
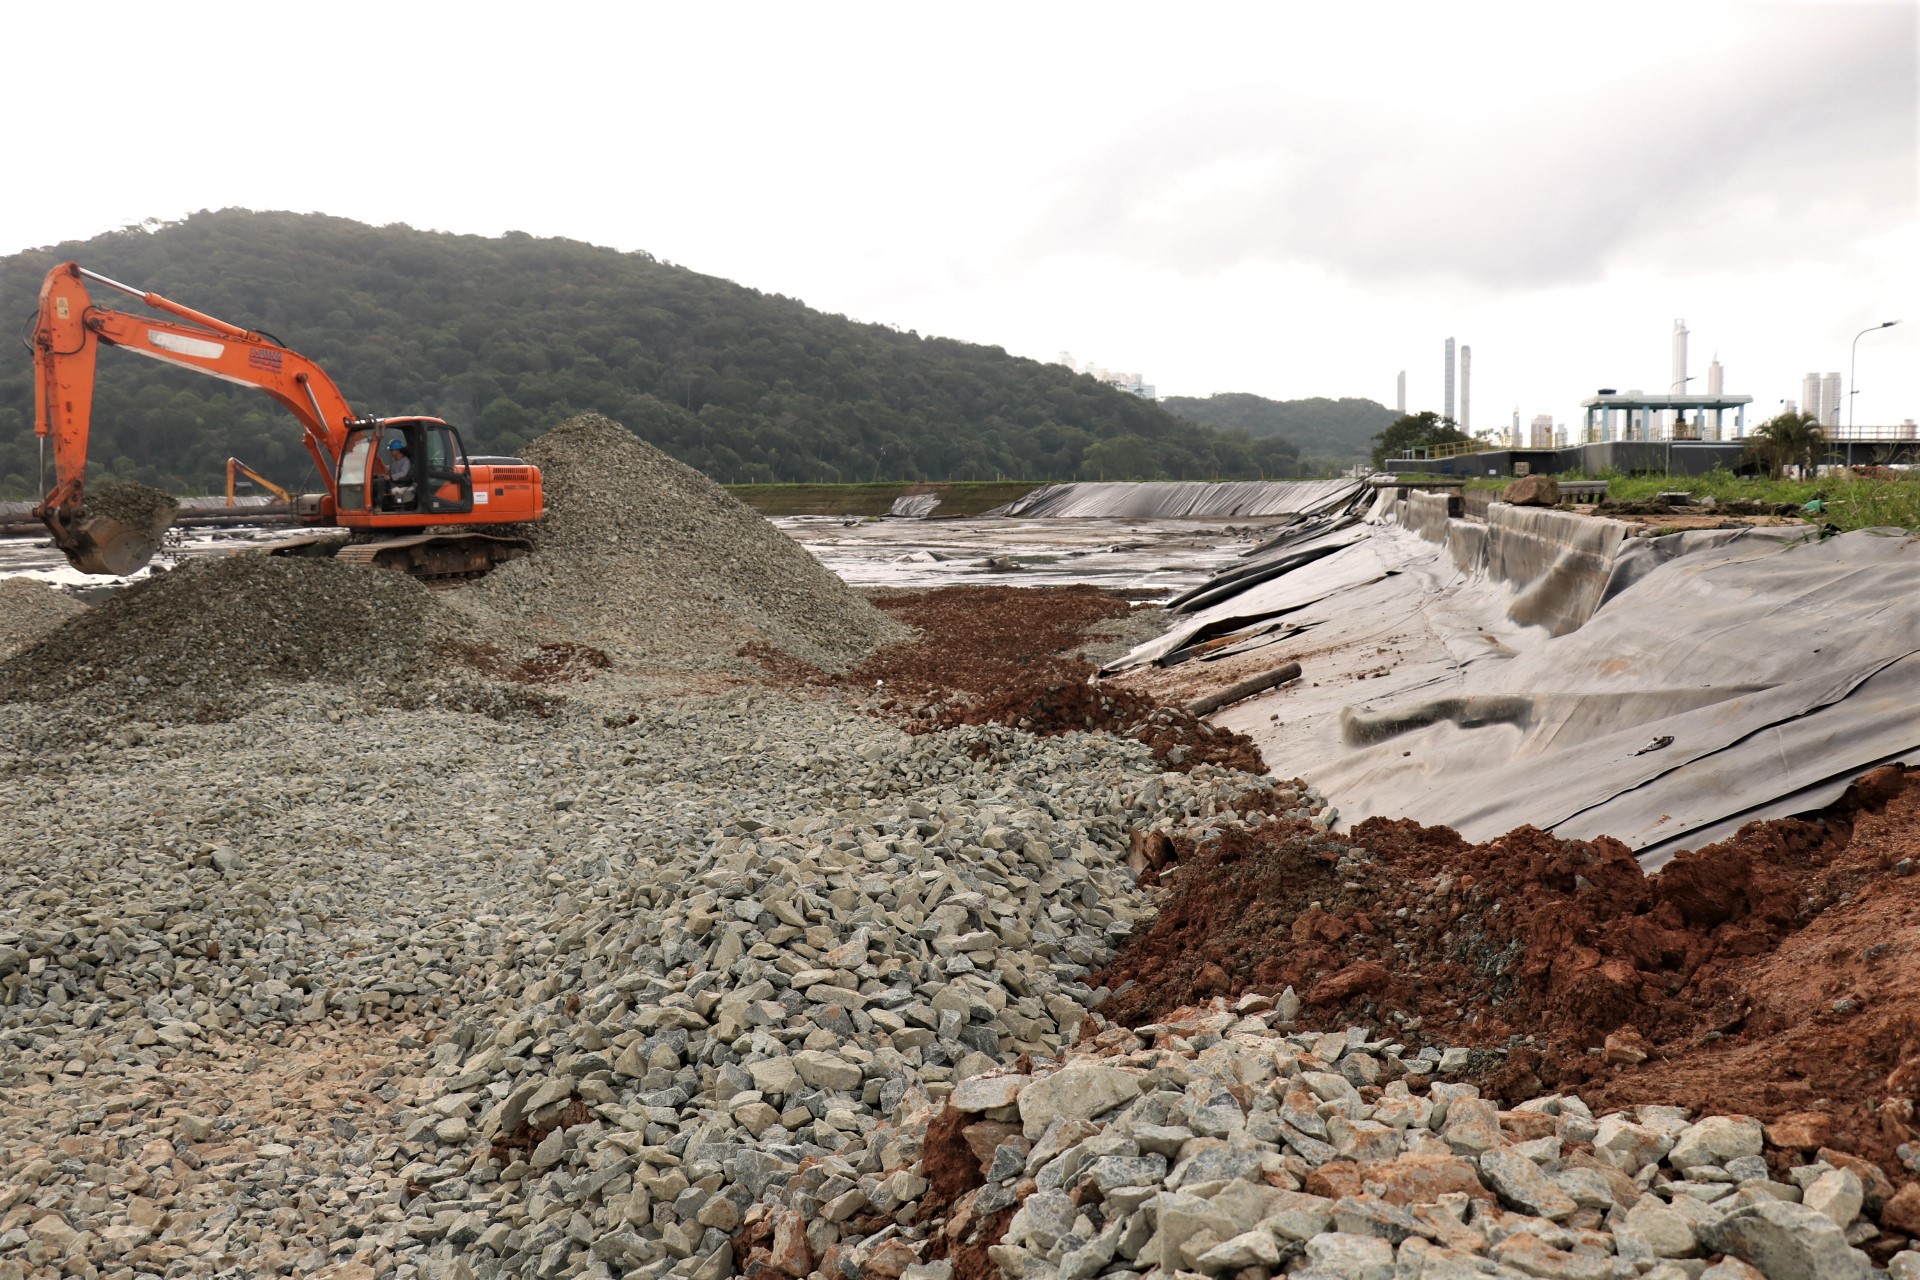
(1768, 973)
(646, 558)
(1011, 655)
(28, 610)
(199, 642)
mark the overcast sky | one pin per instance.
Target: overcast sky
(1280, 198)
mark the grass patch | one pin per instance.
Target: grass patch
(957, 497)
(1850, 502)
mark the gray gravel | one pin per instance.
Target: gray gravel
(269, 989)
(202, 641)
(649, 560)
(1224, 1139)
(359, 983)
(28, 610)
(130, 503)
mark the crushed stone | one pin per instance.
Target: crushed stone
(649, 560)
(130, 503)
(201, 641)
(28, 610)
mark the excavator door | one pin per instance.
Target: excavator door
(446, 486)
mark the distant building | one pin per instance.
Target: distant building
(1810, 395)
(1448, 408)
(1466, 389)
(1540, 434)
(1830, 400)
(1400, 400)
(1132, 383)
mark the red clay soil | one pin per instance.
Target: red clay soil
(1774, 973)
(1002, 655)
(953, 1169)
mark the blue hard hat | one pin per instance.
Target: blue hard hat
(396, 445)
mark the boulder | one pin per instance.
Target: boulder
(1351, 1257)
(1076, 1092)
(1787, 1242)
(1533, 491)
(1519, 1182)
(984, 1093)
(1716, 1140)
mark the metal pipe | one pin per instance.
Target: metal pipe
(111, 283)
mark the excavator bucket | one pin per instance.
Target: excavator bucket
(119, 529)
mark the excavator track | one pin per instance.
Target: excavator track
(440, 561)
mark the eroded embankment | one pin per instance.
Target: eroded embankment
(1020, 657)
(1767, 974)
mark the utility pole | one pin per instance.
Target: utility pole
(1853, 366)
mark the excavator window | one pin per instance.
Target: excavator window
(396, 483)
(353, 471)
(447, 485)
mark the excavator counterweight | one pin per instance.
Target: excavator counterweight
(386, 479)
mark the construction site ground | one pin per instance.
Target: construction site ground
(459, 950)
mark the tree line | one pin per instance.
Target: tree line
(506, 336)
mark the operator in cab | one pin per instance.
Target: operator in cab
(400, 492)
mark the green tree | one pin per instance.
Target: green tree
(1421, 430)
(505, 336)
(1122, 458)
(1786, 440)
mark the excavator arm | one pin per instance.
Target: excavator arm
(235, 468)
(352, 453)
(69, 331)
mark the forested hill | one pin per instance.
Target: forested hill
(1329, 433)
(504, 337)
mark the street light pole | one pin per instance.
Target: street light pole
(1853, 367)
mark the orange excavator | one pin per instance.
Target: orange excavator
(388, 480)
(237, 468)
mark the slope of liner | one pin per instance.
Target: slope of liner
(1547, 671)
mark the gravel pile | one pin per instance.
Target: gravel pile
(130, 503)
(205, 640)
(419, 993)
(28, 610)
(756, 1034)
(1220, 1144)
(648, 559)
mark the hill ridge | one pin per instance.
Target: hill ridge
(506, 336)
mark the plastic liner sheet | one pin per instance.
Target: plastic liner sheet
(1354, 558)
(1713, 688)
(1281, 556)
(914, 506)
(1185, 500)
(1549, 669)
(1637, 557)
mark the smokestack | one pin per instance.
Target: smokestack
(1448, 407)
(1401, 398)
(1466, 388)
(1714, 376)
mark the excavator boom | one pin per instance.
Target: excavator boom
(391, 476)
(237, 468)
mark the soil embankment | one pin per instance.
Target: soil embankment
(1773, 973)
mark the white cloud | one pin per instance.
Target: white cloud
(1294, 200)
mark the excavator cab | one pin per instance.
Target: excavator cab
(403, 467)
